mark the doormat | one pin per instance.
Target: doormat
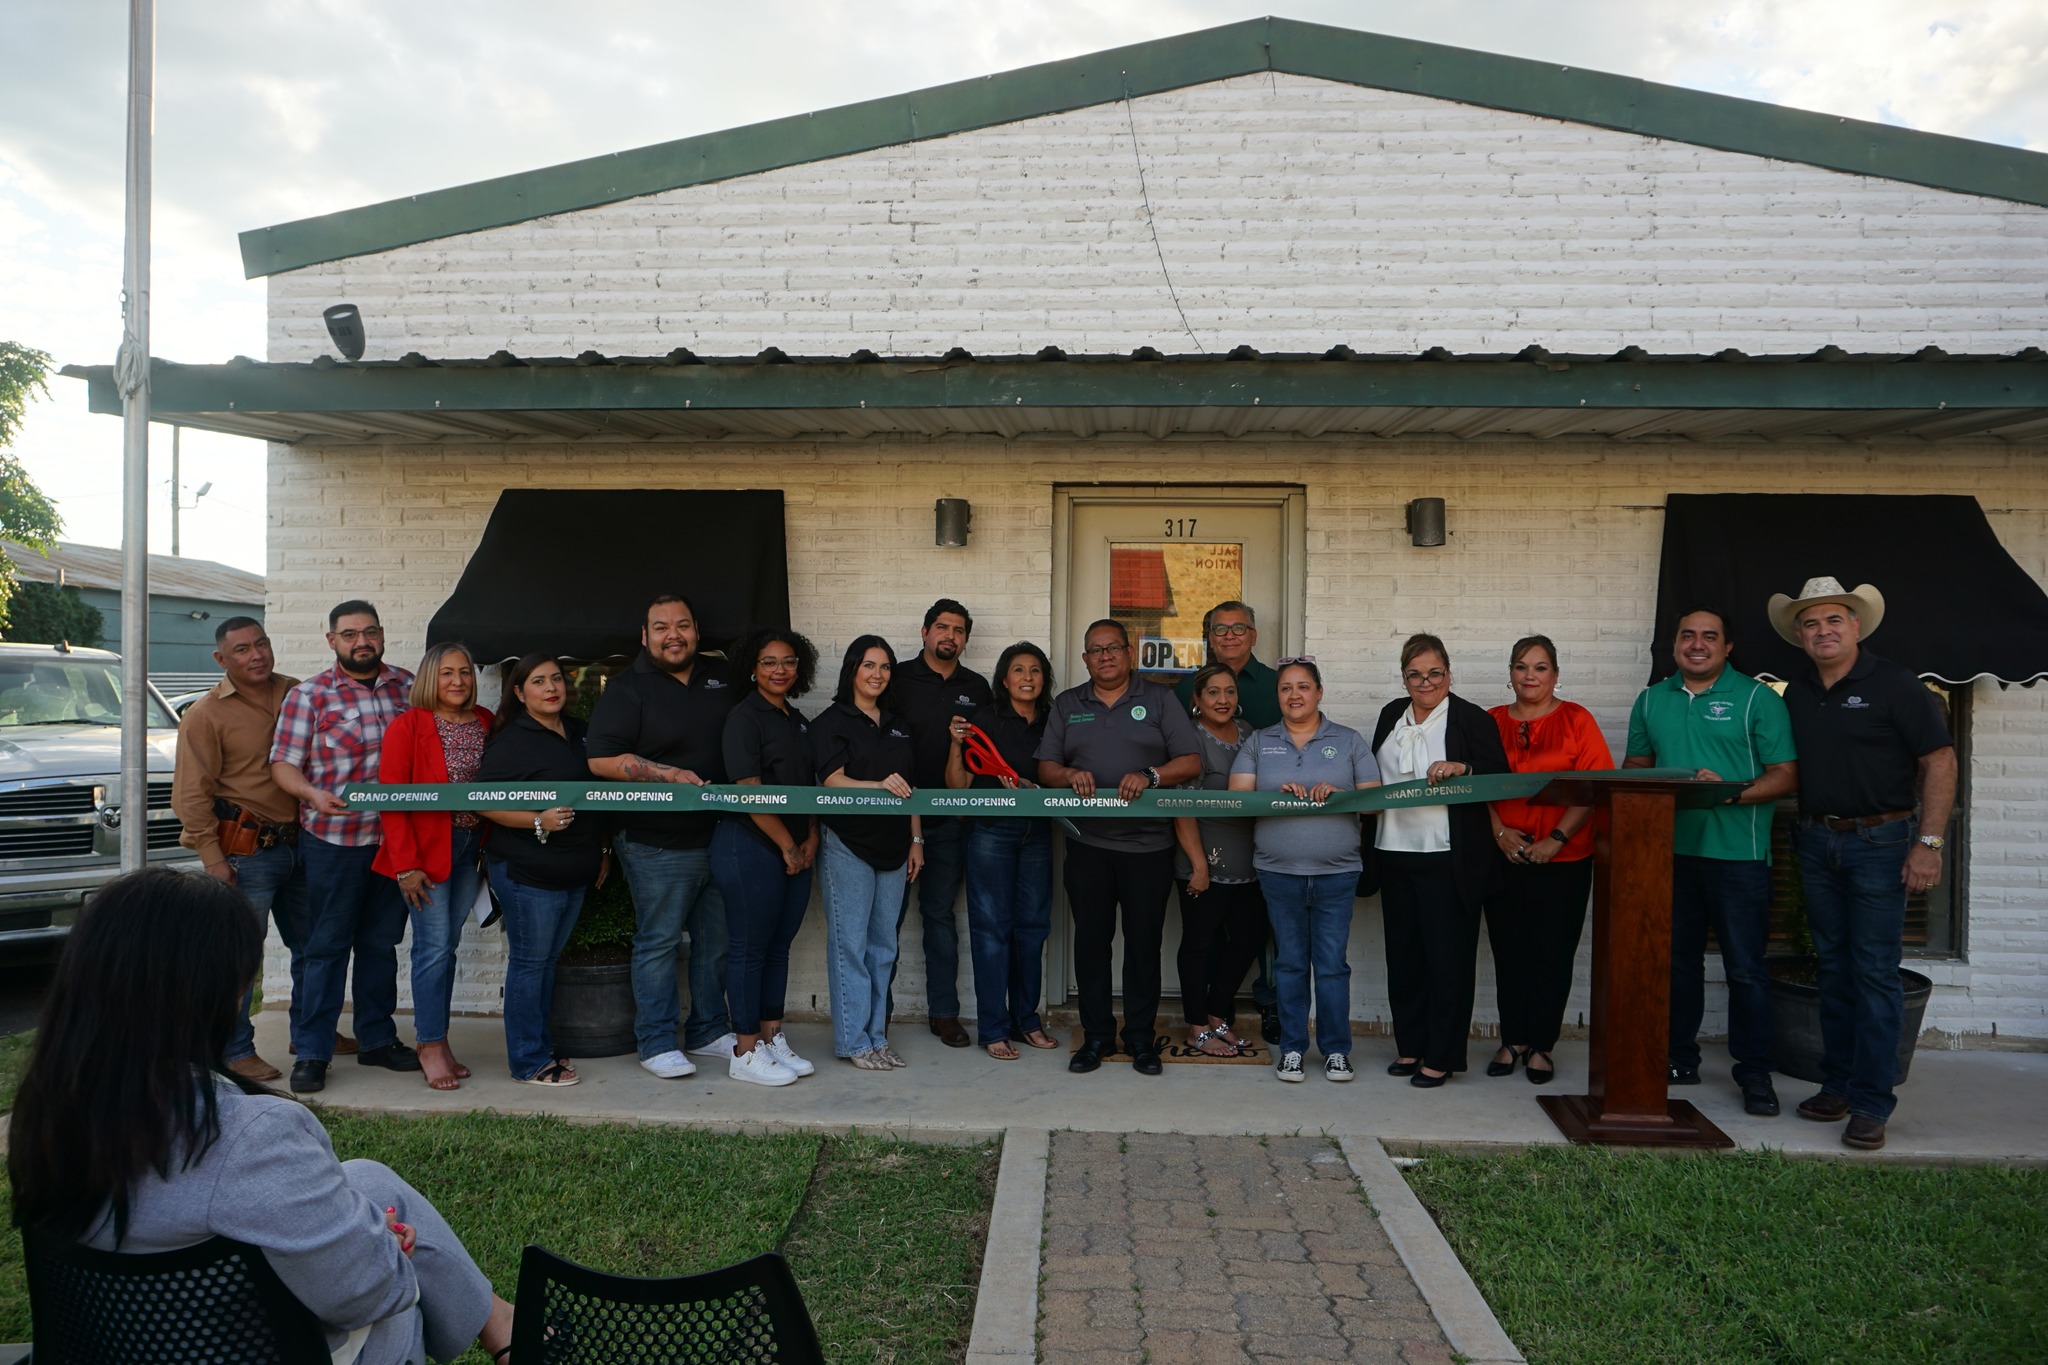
(1173, 1047)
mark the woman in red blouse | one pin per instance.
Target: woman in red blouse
(432, 855)
(1536, 916)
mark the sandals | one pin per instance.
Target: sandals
(1003, 1051)
(1037, 1038)
(1516, 1055)
(1217, 1036)
(442, 1071)
(554, 1073)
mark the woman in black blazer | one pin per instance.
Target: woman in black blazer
(1436, 863)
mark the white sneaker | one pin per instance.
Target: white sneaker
(1337, 1068)
(670, 1065)
(721, 1046)
(760, 1067)
(785, 1054)
(1290, 1067)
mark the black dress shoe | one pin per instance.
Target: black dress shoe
(1146, 1064)
(1089, 1058)
(391, 1056)
(1759, 1097)
(1397, 1067)
(1496, 1067)
(1684, 1075)
(1539, 1075)
(1422, 1080)
(309, 1076)
(1269, 1023)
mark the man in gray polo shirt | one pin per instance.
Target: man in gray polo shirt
(1121, 732)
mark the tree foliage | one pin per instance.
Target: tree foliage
(26, 515)
(44, 614)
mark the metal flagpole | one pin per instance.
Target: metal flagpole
(132, 370)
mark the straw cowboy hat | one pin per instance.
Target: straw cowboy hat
(1867, 602)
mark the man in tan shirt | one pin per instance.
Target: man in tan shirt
(224, 767)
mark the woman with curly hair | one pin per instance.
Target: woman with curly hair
(762, 862)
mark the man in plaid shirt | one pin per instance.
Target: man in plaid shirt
(329, 733)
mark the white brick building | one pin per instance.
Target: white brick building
(1268, 185)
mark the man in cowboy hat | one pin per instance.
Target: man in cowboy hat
(1872, 746)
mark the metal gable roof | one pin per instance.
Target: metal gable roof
(99, 566)
(1628, 396)
(1284, 45)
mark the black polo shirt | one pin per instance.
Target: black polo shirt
(929, 702)
(1861, 740)
(774, 747)
(1145, 729)
(648, 712)
(525, 751)
(1015, 738)
(843, 737)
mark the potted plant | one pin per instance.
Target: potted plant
(593, 1005)
(1795, 983)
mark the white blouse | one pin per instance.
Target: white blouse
(1405, 757)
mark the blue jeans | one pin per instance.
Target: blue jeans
(349, 908)
(1735, 898)
(273, 883)
(938, 887)
(764, 907)
(538, 921)
(1009, 915)
(862, 905)
(1856, 906)
(1311, 918)
(673, 890)
(436, 932)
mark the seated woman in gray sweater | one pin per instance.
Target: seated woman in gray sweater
(128, 1135)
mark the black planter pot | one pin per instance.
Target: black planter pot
(1795, 1011)
(593, 1009)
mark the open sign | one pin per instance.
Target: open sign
(1159, 655)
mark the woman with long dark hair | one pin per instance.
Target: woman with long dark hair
(128, 1135)
(1009, 862)
(1437, 864)
(869, 861)
(541, 862)
(761, 862)
(432, 855)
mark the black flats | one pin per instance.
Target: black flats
(1496, 1067)
(1422, 1080)
(1397, 1067)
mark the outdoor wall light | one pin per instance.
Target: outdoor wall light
(953, 518)
(1426, 521)
(345, 326)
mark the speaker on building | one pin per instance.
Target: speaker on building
(953, 517)
(1426, 521)
(345, 326)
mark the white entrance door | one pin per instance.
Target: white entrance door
(1157, 558)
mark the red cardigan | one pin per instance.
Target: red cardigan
(416, 839)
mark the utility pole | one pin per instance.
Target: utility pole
(176, 431)
(132, 370)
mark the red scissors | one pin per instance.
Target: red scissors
(983, 759)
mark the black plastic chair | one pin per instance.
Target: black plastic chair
(749, 1312)
(218, 1302)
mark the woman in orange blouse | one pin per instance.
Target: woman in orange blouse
(1536, 916)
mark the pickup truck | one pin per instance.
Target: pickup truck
(61, 804)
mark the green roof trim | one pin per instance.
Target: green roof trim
(1487, 79)
(1550, 383)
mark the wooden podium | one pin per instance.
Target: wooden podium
(1628, 1102)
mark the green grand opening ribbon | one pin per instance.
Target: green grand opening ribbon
(1028, 802)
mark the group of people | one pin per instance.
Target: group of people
(263, 758)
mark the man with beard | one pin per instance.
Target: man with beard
(330, 731)
(934, 691)
(663, 720)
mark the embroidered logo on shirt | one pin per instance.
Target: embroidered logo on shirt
(713, 684)
(1720, 710)
(1137, 713)
(964, 701)
(898, 734)
(1855, 703)
(1329, 751)
(1079, 716)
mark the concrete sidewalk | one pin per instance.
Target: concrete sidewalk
(1957, 1106)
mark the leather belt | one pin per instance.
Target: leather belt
(1842, 823)
(270, 836)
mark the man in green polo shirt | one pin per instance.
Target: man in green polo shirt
(1232, 633)
(1726, 726)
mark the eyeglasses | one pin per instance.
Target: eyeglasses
(1094, 650)
(1231, 632)
(1297, 659)
(349, 637)
(1522, 737)
(1433, 677)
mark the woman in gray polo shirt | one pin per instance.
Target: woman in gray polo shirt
(1308, 865)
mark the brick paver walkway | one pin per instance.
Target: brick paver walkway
(1167, 1249)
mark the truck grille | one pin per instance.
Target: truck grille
(65, 800)
(58, 820)
(61, 841)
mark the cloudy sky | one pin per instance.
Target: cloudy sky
(268, 112)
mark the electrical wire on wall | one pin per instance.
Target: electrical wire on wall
(1145, 196)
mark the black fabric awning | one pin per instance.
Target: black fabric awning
(571, 570)
(1957, 607)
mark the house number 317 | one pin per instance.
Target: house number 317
(1180, 527)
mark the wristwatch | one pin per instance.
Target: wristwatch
(1153, 773)
(1934, 841)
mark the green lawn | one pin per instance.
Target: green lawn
(1591, 1256)
(885, 1237)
